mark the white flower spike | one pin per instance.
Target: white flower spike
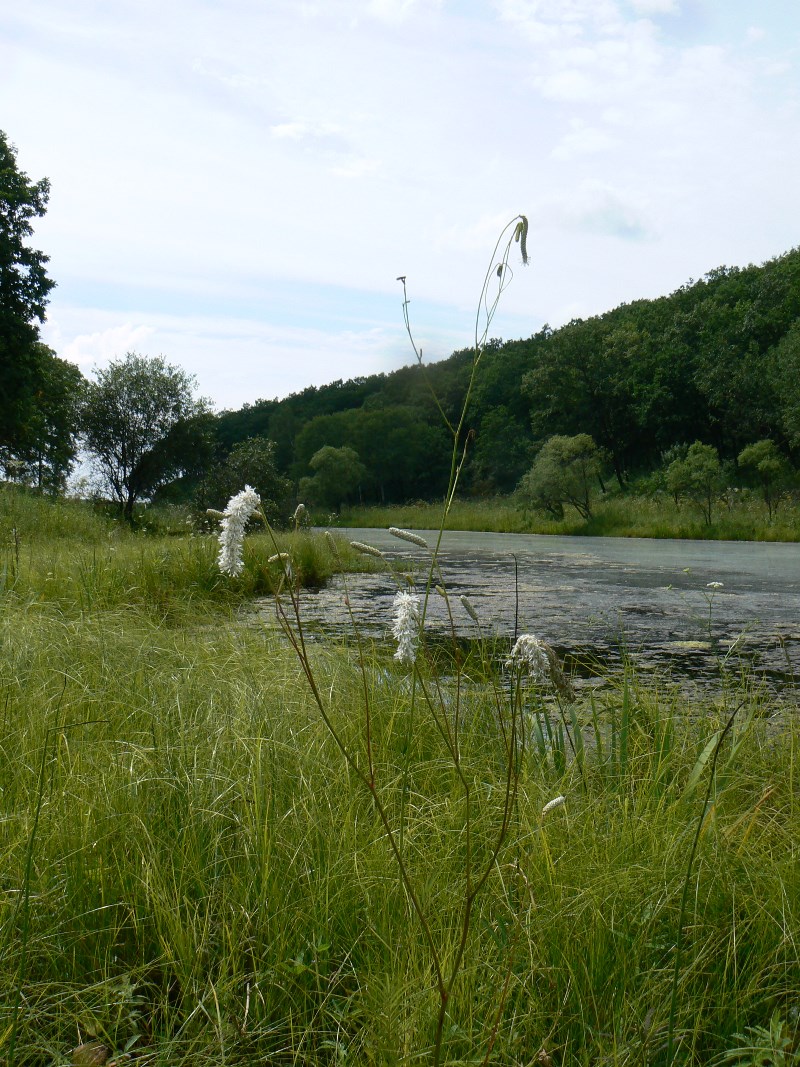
(231, 534)
(405, 627)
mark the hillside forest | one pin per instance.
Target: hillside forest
(692, 391)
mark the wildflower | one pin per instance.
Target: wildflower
(405, 626)
(556, 802)
(300, 514)
(282, 556)
(539, 659)
(368, 550)
(231, 534)
(530, 653)
(715, 585)
(407, 535)
(470, 610)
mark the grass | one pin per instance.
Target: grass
(613, 516)
(68, 555)
(190, 871)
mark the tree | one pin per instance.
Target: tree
(24, 289)
(46, 446)
(770, 469)
(502, 451)
(144, 427)
(699, 476)
(563, 473)
(250, 462)
(338, 473)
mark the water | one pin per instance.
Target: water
(597, 599)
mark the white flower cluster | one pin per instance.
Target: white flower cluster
(530, 654)
(231, 534)
(405, 626)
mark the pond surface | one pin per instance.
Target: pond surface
(597, 599)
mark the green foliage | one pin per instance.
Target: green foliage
(564, 472)
(143, 427)
(771, 470)
(699, 476)
(24, 290)
(250, 462)
(763, 1046)
(338, 475)
(46, 446)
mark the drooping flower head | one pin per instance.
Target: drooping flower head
(530, 654)
(535, 657)
(231, 534)
(405, 626)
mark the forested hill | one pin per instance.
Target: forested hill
(716, 361)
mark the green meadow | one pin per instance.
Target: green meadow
(214, 850)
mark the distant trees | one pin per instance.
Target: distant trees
(144, 427)
(564, 472)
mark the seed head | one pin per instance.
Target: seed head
(521, 236)
(556, 802)
(470, 610)
(407, 535)
(368, 550)
(332, 545)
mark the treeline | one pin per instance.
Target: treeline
(717, 361)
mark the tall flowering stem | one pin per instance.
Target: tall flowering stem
(497, 278)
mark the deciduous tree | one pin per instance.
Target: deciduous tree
(564, 472)
(144, 427)
(24, 289)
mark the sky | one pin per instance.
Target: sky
(236, 185)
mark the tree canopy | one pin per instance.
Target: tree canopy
(144, 427)
(24, 290)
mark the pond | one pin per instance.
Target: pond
(598, 599)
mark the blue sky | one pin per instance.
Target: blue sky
(237, 185)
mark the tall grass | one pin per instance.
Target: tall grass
(69, 555)
(208, 882)
(628, 515)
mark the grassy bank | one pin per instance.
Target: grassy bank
(614, 516)
(191, 872)
(67, 554)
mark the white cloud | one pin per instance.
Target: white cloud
(584, 140)
(195, 160)
(88, 349)
(655, 7)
